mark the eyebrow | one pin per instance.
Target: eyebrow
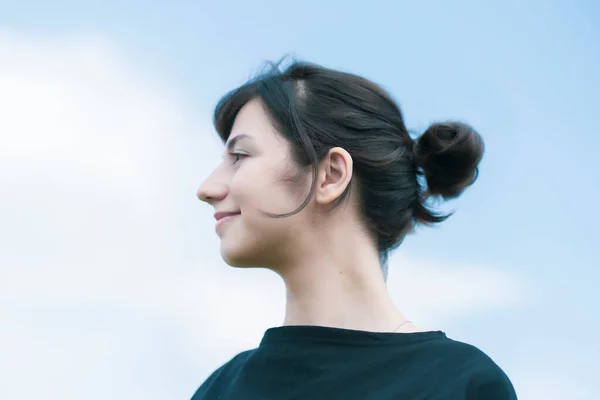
(231, 143)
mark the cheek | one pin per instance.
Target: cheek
(261, 187)
(247, 186)
(251, 241)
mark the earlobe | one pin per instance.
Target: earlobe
(335, 173)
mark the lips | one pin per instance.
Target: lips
(223, 217)
(224, 214)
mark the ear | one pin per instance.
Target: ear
(333, 176)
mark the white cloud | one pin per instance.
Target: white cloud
(110, 287)
(551, 381)
(435, 292)
(92, 174)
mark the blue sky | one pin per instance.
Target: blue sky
(524, 75)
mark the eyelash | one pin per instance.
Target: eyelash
(237, 157)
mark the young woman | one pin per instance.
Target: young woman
(320, 180)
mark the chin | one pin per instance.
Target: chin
(250, 251)
(235, 256)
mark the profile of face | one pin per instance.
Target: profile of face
(255, 178)
(276, 192)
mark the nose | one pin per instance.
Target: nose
(212, 189)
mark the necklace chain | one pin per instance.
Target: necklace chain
(400, 326)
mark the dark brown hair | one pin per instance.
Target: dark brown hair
(317, 108)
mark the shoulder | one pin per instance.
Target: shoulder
(483, 377)
(222, 372)
(232, 364)
(460, 370)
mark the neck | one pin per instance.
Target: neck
(340, 285)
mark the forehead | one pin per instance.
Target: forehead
(253, 121)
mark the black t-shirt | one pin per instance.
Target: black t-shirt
(313, 362)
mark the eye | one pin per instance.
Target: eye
(237, 157)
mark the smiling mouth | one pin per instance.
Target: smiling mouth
(223, 218)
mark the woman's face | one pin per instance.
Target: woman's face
(254, 179)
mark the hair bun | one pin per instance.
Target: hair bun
(448, 153)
